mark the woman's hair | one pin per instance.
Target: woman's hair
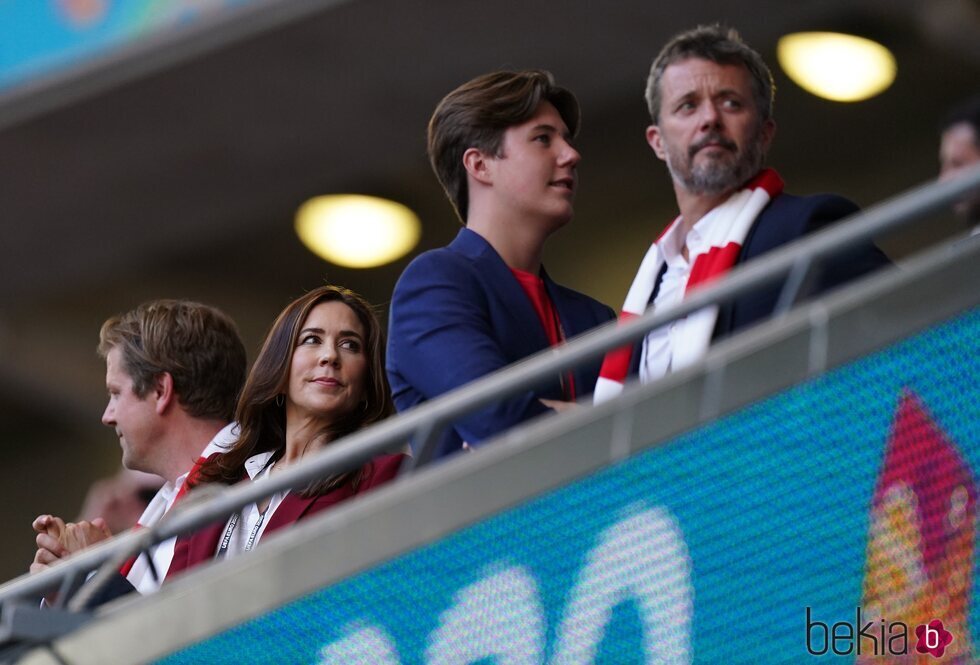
(262, 422)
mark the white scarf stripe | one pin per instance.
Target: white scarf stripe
(639, 293)
(730, 225)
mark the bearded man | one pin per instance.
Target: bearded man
(710, 98)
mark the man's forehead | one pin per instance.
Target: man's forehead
(544, 116)
(114, 367)
(682, 73)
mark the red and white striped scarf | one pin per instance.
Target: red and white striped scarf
(137, 568)
(729, 226)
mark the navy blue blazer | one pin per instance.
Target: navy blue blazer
(785, 219)
(458, 314)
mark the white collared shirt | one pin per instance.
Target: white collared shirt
(163, 553)
(658, 357)
(245, 529)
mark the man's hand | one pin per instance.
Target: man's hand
(558, 405)
(56, 539)
(49, 529)
(79, 535)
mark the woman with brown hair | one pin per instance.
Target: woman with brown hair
(319, 376)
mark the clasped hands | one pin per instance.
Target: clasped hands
(57, 539)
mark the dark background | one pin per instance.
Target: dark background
(148, 176)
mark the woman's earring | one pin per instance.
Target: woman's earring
(280, 400)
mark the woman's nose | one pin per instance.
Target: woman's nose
(329, 356)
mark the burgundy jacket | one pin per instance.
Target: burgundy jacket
(200, 546)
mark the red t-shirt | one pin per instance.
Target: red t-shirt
(538, 295)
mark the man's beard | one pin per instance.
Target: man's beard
(716, 176)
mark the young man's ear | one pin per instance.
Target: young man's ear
(477, 165)
(163, 392)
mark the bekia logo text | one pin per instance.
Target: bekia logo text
(874, 638)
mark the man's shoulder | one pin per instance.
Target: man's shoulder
(454, 259)
(431, 273)
(789, 216)
(439, 256)
(823, 203)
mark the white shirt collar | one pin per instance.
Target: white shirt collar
(255, 464)
(673, 242)
(222, 441)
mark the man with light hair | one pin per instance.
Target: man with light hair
(174, 369)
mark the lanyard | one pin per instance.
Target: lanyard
(230, 529)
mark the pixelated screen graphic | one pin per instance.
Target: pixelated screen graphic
(835, 515)
(41, 37)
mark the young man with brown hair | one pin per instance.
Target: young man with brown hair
(501, 146)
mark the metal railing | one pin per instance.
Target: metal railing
(425, 420)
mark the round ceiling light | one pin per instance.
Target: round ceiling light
(357, 231)
(835, 66)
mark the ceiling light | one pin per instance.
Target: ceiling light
(357, 231)
(836, 66)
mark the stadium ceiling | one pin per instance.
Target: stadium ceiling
(174, 169)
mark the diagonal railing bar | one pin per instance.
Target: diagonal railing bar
(392, 435)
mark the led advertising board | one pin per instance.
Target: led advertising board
(835, 519)
(41, 37)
